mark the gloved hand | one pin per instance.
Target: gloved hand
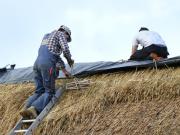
(71, 62)
(66, 73)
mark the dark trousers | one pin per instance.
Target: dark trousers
(44, 77)
(144, 54)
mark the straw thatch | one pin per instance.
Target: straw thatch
(137, 102)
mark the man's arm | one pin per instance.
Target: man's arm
(61, 66)
(65, 49)
(134, 49)
(135, 44)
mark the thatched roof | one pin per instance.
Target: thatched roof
(134, 102)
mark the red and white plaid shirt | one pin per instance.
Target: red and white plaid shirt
(57, 43)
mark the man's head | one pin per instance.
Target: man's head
(67, 32)
(143, 29)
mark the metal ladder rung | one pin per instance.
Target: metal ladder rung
(28, 121)
(35, 122)
(20, 131)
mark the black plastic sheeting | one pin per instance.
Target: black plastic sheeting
(16, 75)
(84, 69)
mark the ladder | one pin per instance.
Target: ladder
(33, 123)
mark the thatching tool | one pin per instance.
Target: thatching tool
(77, 84)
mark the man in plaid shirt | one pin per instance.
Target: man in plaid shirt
(45, 69)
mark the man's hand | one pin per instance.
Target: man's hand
(134, 49)
(71, 62)
(66, 73)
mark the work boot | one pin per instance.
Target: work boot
(29, 113)
(155, 57)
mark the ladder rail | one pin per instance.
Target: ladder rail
(17, 126)
(44, 112)
(39, 118)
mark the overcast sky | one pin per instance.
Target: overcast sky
(102, 30)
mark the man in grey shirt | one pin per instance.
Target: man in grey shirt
(153, 46)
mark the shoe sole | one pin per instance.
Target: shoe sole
(26, 114)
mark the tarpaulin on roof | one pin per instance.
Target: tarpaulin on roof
(84, 69)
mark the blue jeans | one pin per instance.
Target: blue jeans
(44, 77)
